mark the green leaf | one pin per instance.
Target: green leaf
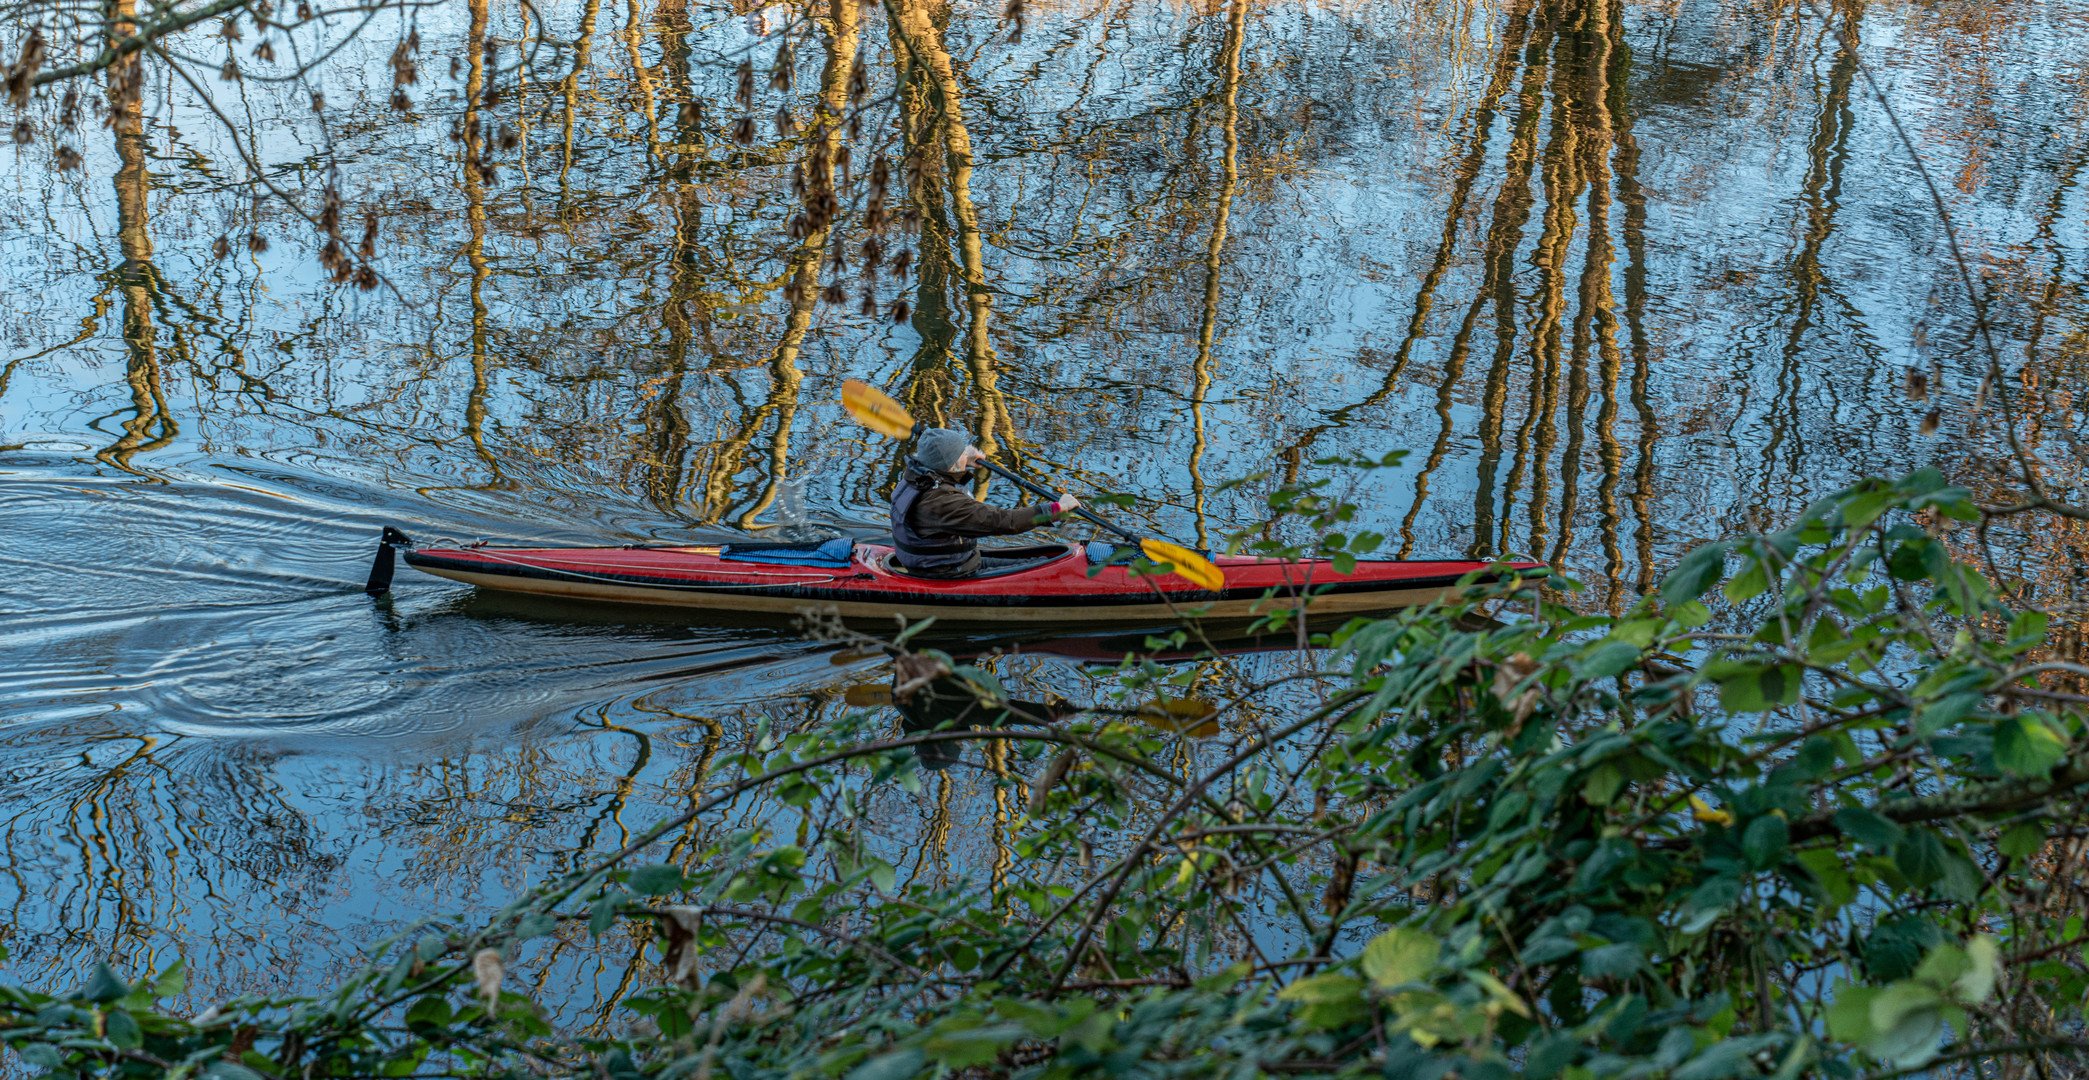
(1868, 827)
(1760, 689)
(2027, 745)
(122, 1031)
(1983, 963)
(1400, 955)
(433, 1010)
(894, 1066)
(657, 880)
(536, 924)
(104, 985)
(227, 1070)
(1694, 574)
(1765, 839)
(1328, 1001)
(1615, 961)
(1748, 584)
(882, 874)
(1603, 784)
(963, 1047)
(2023, 840)
(1906, 1019)
(603, 911)
(1921, 856)
(1607, 659)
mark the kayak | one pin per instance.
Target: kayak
(858, 579)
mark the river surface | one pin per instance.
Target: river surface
(1620, 277)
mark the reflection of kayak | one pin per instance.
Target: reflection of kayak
(859, 580)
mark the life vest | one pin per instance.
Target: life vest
(940, 554)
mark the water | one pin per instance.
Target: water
(1619, 277)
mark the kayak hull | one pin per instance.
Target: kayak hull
(1058, 589)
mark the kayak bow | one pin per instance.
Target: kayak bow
(1051, 583)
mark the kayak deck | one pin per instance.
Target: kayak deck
(1055, 583)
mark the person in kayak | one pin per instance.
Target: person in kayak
(936, 526)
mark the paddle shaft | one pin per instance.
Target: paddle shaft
(1043, 493)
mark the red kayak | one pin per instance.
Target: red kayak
(856, 579)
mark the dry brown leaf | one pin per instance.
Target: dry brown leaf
(487, 970)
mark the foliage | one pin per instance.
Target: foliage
(1808, 810)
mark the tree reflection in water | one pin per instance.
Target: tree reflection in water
(1621, 277)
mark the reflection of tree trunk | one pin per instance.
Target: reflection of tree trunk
(1229, 62)
(1511, 213)
(571, 89)
(667, 435)
(803, 273)
(1562, 178)
(924, 43)
(151, 425)
(1595, 324)
(1617, 117)
(1465, 176)
(475, 248)
(1825, 153)
(642, 77)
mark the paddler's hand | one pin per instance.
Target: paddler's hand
(1065, 505)
(968, 460)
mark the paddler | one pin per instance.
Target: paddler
(936, 525)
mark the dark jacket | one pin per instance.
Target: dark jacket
(936, 523)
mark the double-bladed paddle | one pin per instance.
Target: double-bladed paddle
(876, 410)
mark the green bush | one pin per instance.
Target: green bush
(1811, 809)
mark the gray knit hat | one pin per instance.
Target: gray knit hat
(939, 448)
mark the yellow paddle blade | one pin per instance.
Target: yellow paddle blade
(865, 696)
(1191, 566)
(1181, 716)
(875, 409)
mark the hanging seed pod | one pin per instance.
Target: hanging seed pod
(365, 277)
(743, 91)
(780, 73)
(874, 215)
(690, 117)
(743, 131)
(902, 263)
(257, 243)
(69, 109)
(222, 248)
(230, 72)
(880, 176)
(910, 218)
(456, 130)
(368, 248)
(1931, 422)
(331, 256)
(400, 102)
(456, 66)
(834, 293)
(798, 185)
(413, 40)
(265, 52)
(1917, 384)
(229, 30)
(23, 133)
(838, 261)
(404, 71)
(873, 254)
(841, 161)
(509, 137)
(1013, 14)
(859, 79)
(304, 10)
(786, 124)
(21, 79)
(899, 312)
(330, 212)
(800, 227)
(318, 102)
(489, 173)
(869, 309)
(68, 159)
